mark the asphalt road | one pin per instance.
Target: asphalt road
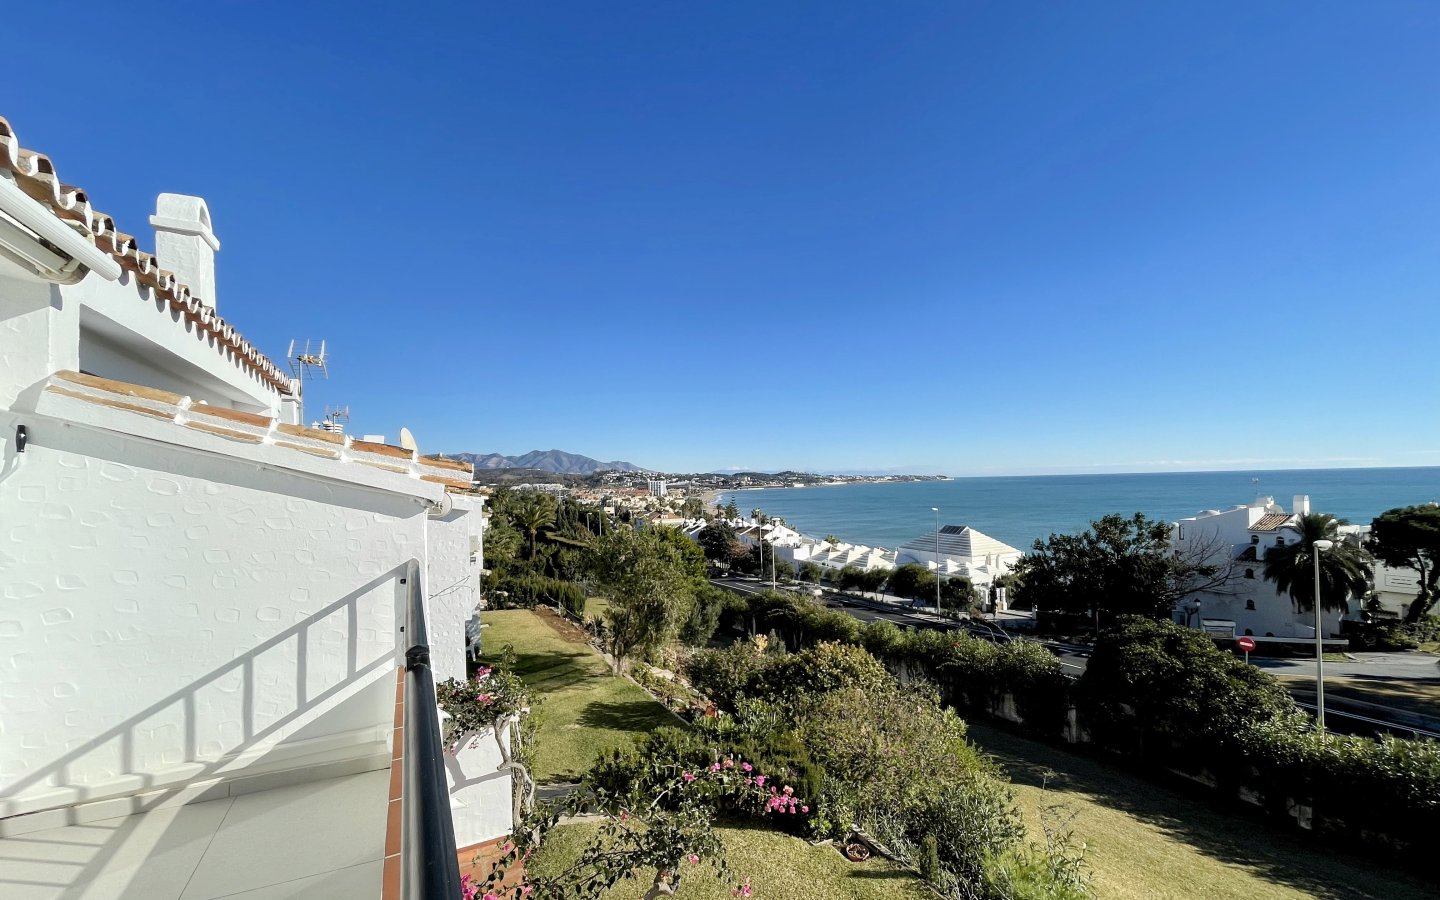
(1075, 659)
(901, 613)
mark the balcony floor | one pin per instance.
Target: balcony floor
(316, 839)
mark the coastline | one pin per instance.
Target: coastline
(1021, 509)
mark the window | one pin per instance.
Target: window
(1254, 538)
(1250, 573)
(1250, 604)
(1279, 541)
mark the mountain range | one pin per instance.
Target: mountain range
(546, 461)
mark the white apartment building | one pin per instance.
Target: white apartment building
(959, 550)
(1247, 604)
(203, 671)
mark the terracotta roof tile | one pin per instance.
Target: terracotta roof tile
(35, 175)
(1270, 522)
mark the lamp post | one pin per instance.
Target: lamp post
(936, 511)
(1316, 548)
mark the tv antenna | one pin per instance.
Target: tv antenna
(335, 418)
(307, 363)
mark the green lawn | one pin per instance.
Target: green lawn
(780, 867)
(1147, 841)
(584, 708)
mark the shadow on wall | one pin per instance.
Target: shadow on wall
(256, 726)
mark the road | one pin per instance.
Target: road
(903, 613)
(1074, 659)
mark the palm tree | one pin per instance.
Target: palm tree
(1344, 568)
(535, 513)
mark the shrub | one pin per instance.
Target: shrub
(1034, 677)
(791, 679)
(760, 779)
(897, 763)
(930, 860)
(882, 638)
(1156, 677)
(722, 675)
(704, 617)
(568, 596)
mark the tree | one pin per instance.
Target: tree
(1344, 568)
(1118, 566)
(650, 581)
(692, 508)
(1410, 536)
(956, 592)
(914, 581)
(732, 512)
(717, 540)
(810, 572)
(832, 540)
(535, 512)
(873, 580)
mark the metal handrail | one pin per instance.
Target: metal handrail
(429, 862)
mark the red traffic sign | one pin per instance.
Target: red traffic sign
(1246, 643)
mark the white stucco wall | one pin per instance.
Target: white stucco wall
(43, 327)
(452, 584)
(481, 794)
(166, 610)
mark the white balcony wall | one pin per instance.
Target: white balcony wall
(452, 584)
(171, 615)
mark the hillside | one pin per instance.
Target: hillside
(557, 461)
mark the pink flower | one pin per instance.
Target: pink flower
(747, 767)
(483, 672)
(743, 890)
(687, 777)
(624, 816)
(491, 895)
(729, 763)
(527, 890)
(788, 790)
(804, 809)
(468, 889)
(485, 697)
(760, 780)
(714, 767)
(694, 858)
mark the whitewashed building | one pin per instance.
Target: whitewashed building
(202, 647)
(962, 552)
(1246, 604)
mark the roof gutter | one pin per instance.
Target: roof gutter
(45, 227)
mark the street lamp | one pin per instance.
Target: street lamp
(1316, 548)
(936, 511)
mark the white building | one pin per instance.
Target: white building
(201, 636)
(656, 488)
(1247, 604)
(963, 552)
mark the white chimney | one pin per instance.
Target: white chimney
(1302, 505)
(185, 243)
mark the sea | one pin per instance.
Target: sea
(1020, 509)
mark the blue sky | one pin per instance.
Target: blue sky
(956, 237)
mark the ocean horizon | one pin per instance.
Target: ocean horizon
(1018, 509)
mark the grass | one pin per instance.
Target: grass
(779, 866)
(1145, 840)
(584, 708)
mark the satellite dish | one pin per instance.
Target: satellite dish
(407, 441)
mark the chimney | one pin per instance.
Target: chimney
(185, 243)
(1302, 505)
